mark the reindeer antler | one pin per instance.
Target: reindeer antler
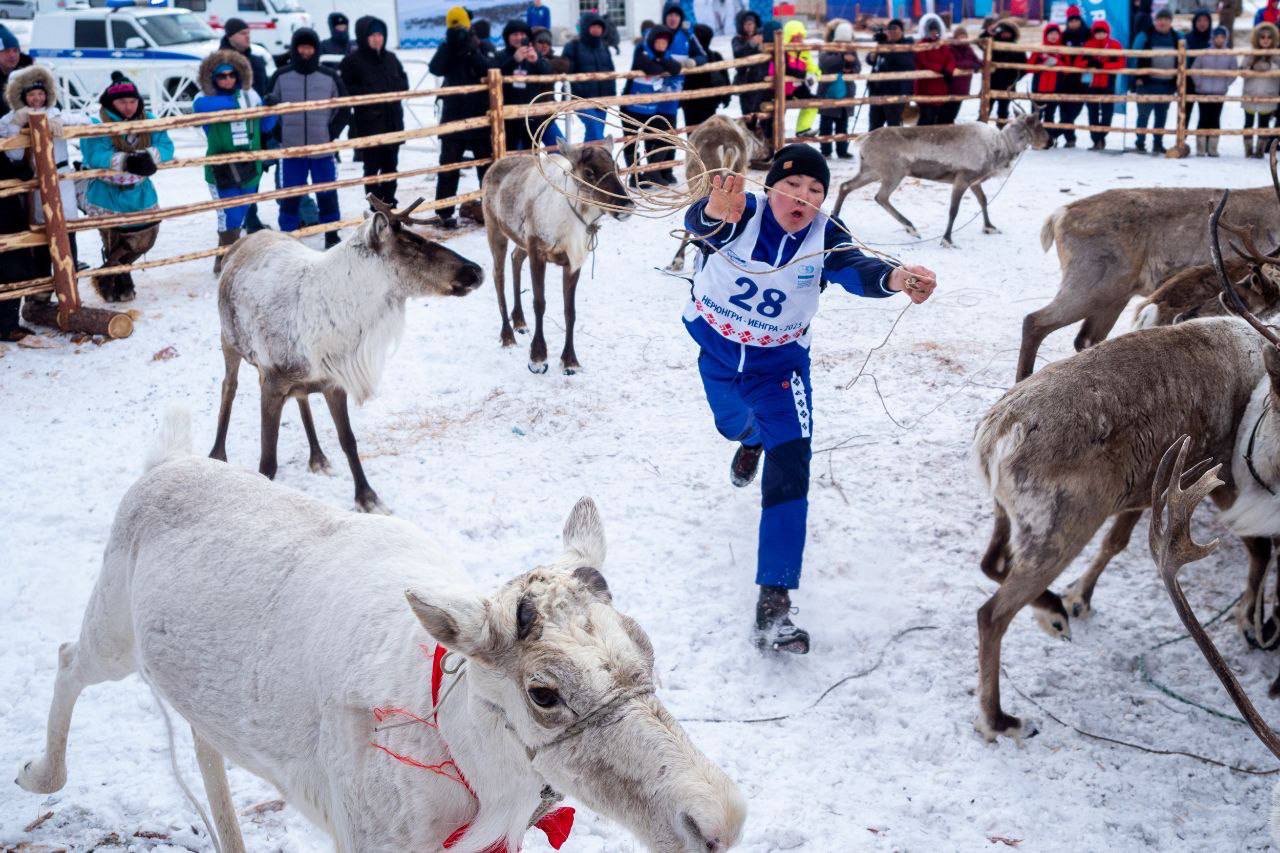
(1172, 548)
(1232, 296)
(1250, 252)
(401, 218)
(1275, 179)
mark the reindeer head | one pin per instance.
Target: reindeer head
(420, 267)
(1028, 132)
(573, 679)
(595, 178)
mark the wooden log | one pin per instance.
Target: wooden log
(984, 108)
(511, 111)
(723, 65)
(1180, 134)
(94, 321)
(779, 93)
(497, 127)
(1071, 69)
(45, 161)
(1005, 95)
(28, 239)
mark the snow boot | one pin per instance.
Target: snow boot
(1248, 146)
(1212, 146)
(1202, 146)
(745, 464)
(225, 238)
(252, 222)
(331, 239)
(774, 628)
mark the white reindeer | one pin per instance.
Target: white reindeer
(325, 322)
(276, 625)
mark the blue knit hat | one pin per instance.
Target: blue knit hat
(8, 41)
(1220, 31)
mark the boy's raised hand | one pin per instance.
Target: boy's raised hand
(727, 200)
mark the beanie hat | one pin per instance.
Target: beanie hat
(843, 32)
(233, 26)
(224, 68)
(798, 159)
(119, 87)
(8, 41)
(895, 22)
(304, 35)
(457, 17)
(542, 35)
(36, 82)
(1220, 31)
(1164, 13)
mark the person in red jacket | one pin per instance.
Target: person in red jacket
(1100, 82)
(1046, 82)
(939, 59)
(968, 67)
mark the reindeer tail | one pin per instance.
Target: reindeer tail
(173, 439)
(1049, 229)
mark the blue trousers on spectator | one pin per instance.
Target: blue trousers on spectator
(294, 172)
(232, 218)
(593, 123)
(553, 135)
(774, 410)
(1161, 113)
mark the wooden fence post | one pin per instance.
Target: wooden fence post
(497, 125)
(1180, 140)
(984, 108)
(779, 92)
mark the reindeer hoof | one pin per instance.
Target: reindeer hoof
(572, 369)
(538, 367)
(1010, 727)
(1075, 602)
(674, 267)
(319, 465)
(990, 229)
(1270, 635)
(36, 777)
(508, 338)
(1056, 625)
(371, 504)
(946, 243)
(912, 231)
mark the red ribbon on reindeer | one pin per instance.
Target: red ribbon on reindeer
(556, 825)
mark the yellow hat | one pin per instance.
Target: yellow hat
(457, 17)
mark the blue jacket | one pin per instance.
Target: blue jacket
(857, 273)
(538, 16)
(1156, 41)
(106, 194)
(652, 63)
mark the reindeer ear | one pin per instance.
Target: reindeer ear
(595, 583)
(379, 230)
(458, 621)
(584, 534)
(568, 150)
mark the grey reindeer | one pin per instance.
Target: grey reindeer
(324, 323)
(962, 155)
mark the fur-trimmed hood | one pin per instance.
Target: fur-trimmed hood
(22, 78)
(235, 59)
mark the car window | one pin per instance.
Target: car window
(91, 34)
(250, 6)
(121, 32)
(182, 28)
(192, 5)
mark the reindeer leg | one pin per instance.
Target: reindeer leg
(317, 462)
(1099, 324)
(568, 358)
(957, 193)
(856, 182)
(273, 393)
(538, 348)
(887, 186)
(498, 249)
(1070, 305)
(1248, 611)
(995, 561)
(1079, 596)
(230, 380)
(987, 227)
(366, 498)
(677, 262)
(517, 267)
(213, 771)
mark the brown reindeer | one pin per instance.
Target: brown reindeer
(324, 323)
(550, 207)
(1075, 444)
(1124, 243)
(1197, 292)
(720, 146)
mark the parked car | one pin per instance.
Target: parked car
(17, 9)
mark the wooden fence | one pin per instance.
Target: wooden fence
(71, 315)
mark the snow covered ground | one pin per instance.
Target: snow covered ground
(488, 458)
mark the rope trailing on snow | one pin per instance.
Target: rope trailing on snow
(1147, 677)
(825, 693)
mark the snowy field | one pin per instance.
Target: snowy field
(463, 441)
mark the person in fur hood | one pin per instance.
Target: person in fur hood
(134, 157)
(34, 89)
(226, 83)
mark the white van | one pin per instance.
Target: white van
(272, 21)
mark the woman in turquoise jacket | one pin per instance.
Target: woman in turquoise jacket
(135, 157)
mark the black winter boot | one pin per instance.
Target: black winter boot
(331, 239)
(745, 464)
(774, 628)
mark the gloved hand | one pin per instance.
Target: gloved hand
(140, 163)
(19, 117)
(55, 126)
(811, 81)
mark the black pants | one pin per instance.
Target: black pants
(382, 160)
(1259, 120)
(1210, 116)
(1100, 114)
(698, 111)
(931, 114)
(652, 147)
(15, 265)
(519, 133)
(751, 102)
(950, 112)
(1002, 107)
(452, 148)
(1068, 112)
(1047, 115)
(830, 125)
(885, 115)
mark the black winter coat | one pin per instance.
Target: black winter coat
(15, 265)
(368, 72)
(589, 54)
(883, 63)
(459, 62)
(519, 93)
(259, 65)
(742, 47)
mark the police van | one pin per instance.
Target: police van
(157, 47)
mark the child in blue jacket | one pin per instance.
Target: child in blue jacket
(765, 260)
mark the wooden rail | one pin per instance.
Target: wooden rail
(55, 236)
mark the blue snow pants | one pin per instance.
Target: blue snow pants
(294, 172)
(773, 409)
